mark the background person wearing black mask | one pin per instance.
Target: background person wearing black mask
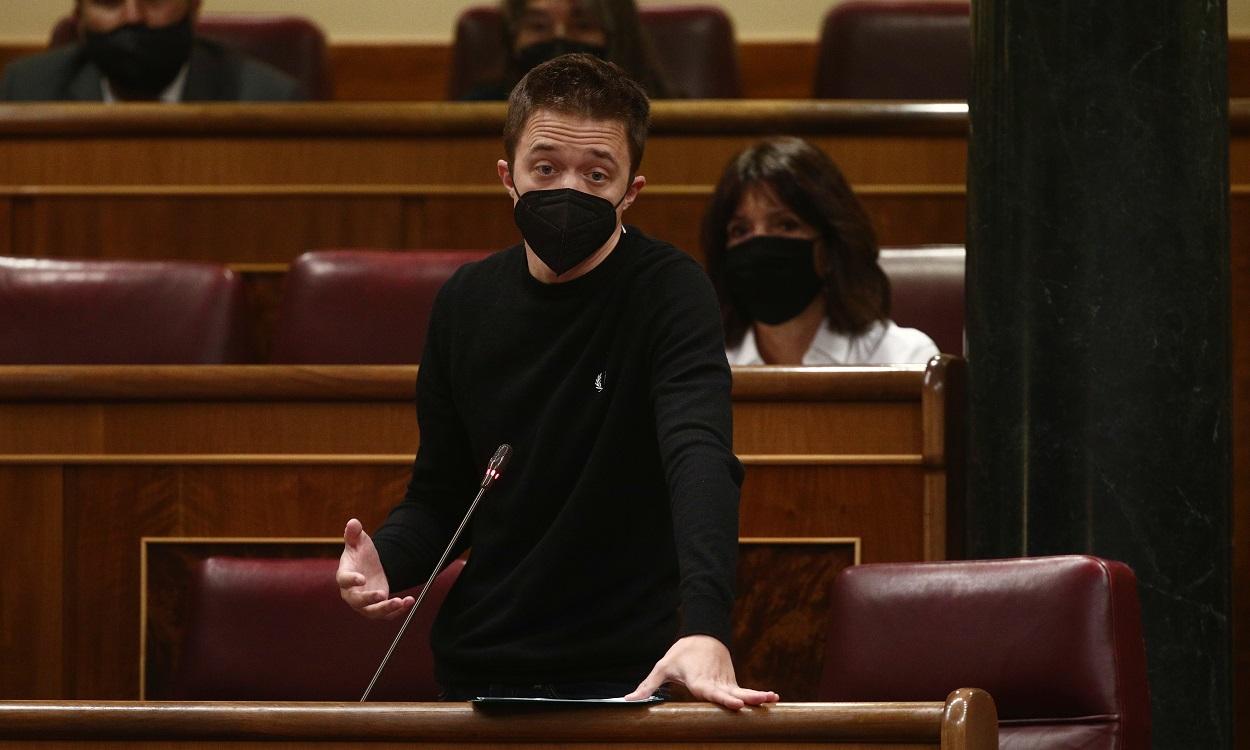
(535, 31)
(142, 50)
(793, 259)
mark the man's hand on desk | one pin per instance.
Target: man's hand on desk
(362, 582)
(703, 665)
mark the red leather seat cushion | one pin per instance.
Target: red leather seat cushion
(1056, 641)
(895, 49)
(361, 306)
(120, 312)
(927, 291)
(277, 629)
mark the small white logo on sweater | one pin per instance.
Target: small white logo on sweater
(599, 382)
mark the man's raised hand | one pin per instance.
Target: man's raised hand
(362, 582)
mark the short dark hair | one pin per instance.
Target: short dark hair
(585, 86)
(809, 183)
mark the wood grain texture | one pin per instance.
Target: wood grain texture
(31, 583)
(835, 725)
(294, 451)
(781, 614)
(250, 225)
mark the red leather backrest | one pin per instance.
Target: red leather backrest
(694, 46)
(927, 291)
(696, 49)
(361, 306)
(292, 44)
(277, 630)
(1056, 641)
(120, 312)
(895, 49)
(478, 52)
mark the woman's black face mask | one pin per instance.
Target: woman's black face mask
(771, 279)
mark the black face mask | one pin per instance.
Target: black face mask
(528, 58)
(771, 279)
(140, 60)
(564, 226)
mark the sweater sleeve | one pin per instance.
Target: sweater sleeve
(443, 475)
(690, 391)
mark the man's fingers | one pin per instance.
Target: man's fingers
(351, 533)
(647, 687)
(387, 608)
(348, 579)
(756, 697)
(715, 693)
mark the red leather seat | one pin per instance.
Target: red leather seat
(292, 44)
(360, 306)
(694, 46)
(277, 630)
(1055, 641)
(927, 291)
(895, 49)
(120, 312)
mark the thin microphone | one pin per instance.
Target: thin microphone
(494, 470)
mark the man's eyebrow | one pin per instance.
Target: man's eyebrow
(598, 153)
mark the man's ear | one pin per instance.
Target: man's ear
(505, 176)
(635, 187)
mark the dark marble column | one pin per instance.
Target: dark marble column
(1098, 328)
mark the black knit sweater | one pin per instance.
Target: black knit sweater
(614, 528)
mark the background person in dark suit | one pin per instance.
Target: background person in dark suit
(143, 50)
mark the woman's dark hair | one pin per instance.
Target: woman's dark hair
(628, 45)
(806, 181)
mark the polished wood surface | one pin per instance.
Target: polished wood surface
(93, 459)
(966, 721)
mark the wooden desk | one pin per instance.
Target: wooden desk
(94, 459)
(966, 721)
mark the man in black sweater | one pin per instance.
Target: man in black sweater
(603, 562)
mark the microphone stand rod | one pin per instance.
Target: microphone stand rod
(492, 473)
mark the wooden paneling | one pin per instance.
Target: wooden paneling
(389, 71)
(246, 451)
(31, 590)
(777, 70)
(246, 227)
(242, 224)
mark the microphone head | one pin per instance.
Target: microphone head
(498, 463)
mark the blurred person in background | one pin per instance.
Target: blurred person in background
(793, 258)
(535, 31)
(143, 50)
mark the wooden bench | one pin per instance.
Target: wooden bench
(860, 462)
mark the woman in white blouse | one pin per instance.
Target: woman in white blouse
(793, 258)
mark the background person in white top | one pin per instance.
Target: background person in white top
(793, 258)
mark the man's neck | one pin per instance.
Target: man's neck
(541, 272)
